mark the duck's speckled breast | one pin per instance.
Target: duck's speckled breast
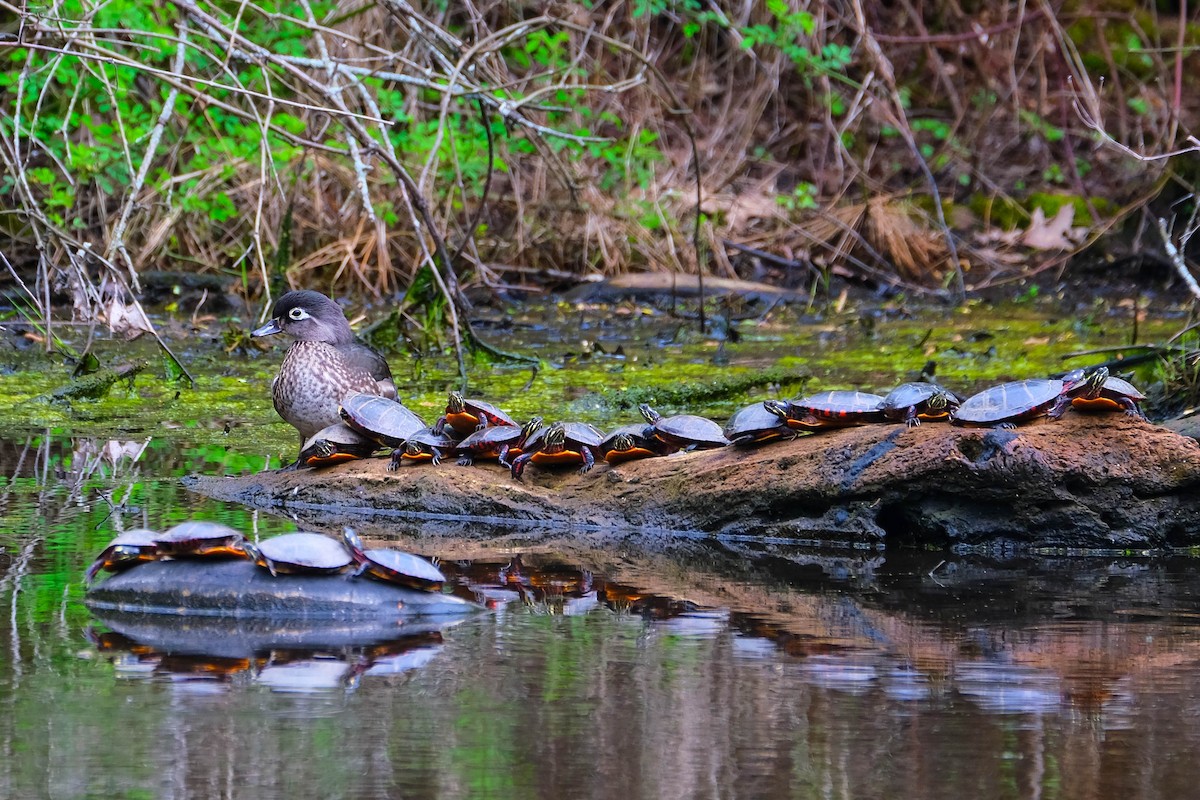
(312, 381)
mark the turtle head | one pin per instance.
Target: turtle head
(309, 317)
(554, 438)
(353, 541)
(1094, 382)
(649, 414)
(529, 428)
(252, 552)
(412, 449)
(777, 408)
(622, 442)
(456, 404)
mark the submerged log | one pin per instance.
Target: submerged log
(1094, 482)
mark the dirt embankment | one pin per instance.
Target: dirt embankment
(1105, 482)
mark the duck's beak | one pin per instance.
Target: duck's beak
(268, 329)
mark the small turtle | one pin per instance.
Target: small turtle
(1104, 392)
(380, 418)
(393, 566)
(201, 539)
(686, 431)
(759, 422)
(912, 402)
(630, 442)
(128, 549)
(561, 443)
(837, 409)
(496, 441)
(334, 445)
(1005, 405)
(425, 445)
(466, 416)
(300, 554)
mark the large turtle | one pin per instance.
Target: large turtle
(201, 539)
(1005, 405)
(912, 402)
(127, 550)
(836, 409)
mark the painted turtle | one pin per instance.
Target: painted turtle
(300, 554)
(128, 549)
(561, 443)
(759, 422)
(466, 416)
(912, 402)
(424, 445)
(334, 445)
(686, 431)
(630, 442)
(1104, 392)
(496, 441)
(837, 409)
(1009, 403)
(201, 539)
(386, 421)
(393, 566)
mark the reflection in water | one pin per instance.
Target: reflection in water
(656, 669)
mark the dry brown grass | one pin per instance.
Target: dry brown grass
(975, 100)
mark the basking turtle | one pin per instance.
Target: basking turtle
(759, 422)
(685, 431)
(334, 445)
(128, 549)
(630, 442)
(912, 402)
(380, 418)
(837, 409)
(1005, 405)
(466, 416)
(495, 441)
(393, 566)
(300, 554)
(1100, 391)
(424, 445)
(561, 443)
(201, 539)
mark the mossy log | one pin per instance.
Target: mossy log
(1100, 483)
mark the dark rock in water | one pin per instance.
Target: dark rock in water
(241, 589)
(1095, 482)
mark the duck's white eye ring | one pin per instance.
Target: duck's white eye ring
(298, 314)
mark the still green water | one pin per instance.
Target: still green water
(633, 668)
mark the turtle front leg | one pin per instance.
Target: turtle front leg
(589, 459)
(518, 465)
(911, 419)
(1131, 408)
(1060, 407)
(396, 459)
(465, 461)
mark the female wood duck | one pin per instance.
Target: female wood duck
(324, 363)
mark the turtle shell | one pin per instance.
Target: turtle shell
(336, 444)
(685, 430)
(380, 418)
(912, 402)
(301, 554)
(465, 415)
(126, 550)
(1010, 403)
(835, 409)
(758, 422)
(199, 539)
(394, 566)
